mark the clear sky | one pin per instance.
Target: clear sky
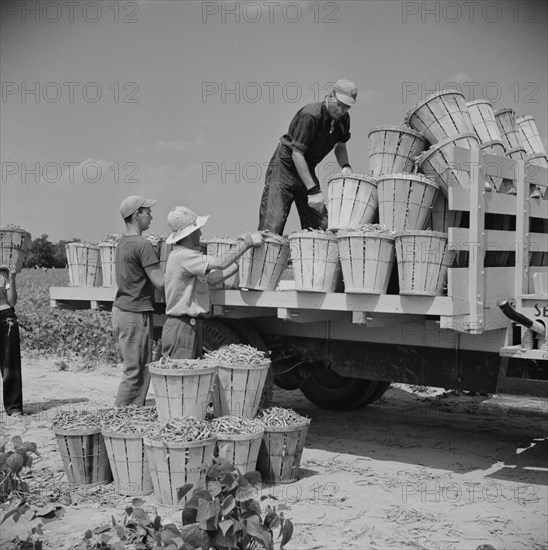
(184, 101)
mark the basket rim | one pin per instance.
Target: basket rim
(374, 234)
(412, 111)
(491, 142)
(83, 245)
(5, 229)
(514, 149)
(504, 110)
(290, 428)
(122, 435)
(245, 366)
(240, 437)
(164, 443)
(521, 118)
(402, 176)
(434, 148)
(419, 232)
(359, 177)
(76, 431)
(535, 155)
(311, 235)
(405, 129)
(182, 372)
(478, 102)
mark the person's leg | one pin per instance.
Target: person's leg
(134, 332)
(180, 339)
(10, 364)
(276, 199)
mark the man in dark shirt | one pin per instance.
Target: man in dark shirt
(138, 272)
(314, 131)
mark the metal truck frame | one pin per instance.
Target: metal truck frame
(343, 350)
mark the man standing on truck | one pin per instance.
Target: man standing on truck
(313, 132)
(138, 273)
(188, 273)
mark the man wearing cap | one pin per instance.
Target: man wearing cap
(138, 273)
(188, 273)
(313, 132)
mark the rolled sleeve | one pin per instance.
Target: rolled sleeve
(303, 133)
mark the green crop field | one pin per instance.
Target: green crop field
(47, 331)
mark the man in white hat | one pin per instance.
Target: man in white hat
(187, 275)
(313, 132)
(138, 273)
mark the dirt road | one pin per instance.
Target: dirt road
(418, 469)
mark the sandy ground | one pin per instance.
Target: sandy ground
(421, 468)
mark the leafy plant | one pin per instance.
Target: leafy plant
(11, 464)
(138, 531)
(226, 509)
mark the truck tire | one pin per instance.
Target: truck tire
(217, 334)
(378, 392)
(329, 390)
(248, 335)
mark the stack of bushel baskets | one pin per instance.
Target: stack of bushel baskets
(231, 379)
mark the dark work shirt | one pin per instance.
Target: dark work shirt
(310, 133)
(135, 289)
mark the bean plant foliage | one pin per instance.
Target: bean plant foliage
(225, 507)
(84, 334)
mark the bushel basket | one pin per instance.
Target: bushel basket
(405, 200)
(351, 201)
(84, 456)
(240, 450)
(238, 388)
(280, 453)
(366, 261)
(315, 260)
(261, 267)
(176, 464)
(128, 462)
(423, 259)
(393, 148)
(441, 116)
(14, 245)
(84, 264)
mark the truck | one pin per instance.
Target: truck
(343, 350)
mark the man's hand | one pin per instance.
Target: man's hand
(346, 170)
(316, 202)
(252, 239)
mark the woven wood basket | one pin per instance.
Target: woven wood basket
(128, 462)
(84, 456)
(423, 259)
(175, 464)
(351, 201)
(484, 121)
(84, 263)
(280, 453)
(367, 260)
(393, 148)
(240, 450)
(530, 136)
(14, 245)
(182, 392)
(222, 247)
(441, 116)
(509, 131)
(405, 200)
(315, 260)
(261, 267)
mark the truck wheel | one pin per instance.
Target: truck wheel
(217, 334)
(248, 335)
(378, 392)
(329, 390)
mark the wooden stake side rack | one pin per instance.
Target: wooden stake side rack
(470, 305)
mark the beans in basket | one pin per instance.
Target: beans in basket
(276, 416)
(185, 429)
(237, 353)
